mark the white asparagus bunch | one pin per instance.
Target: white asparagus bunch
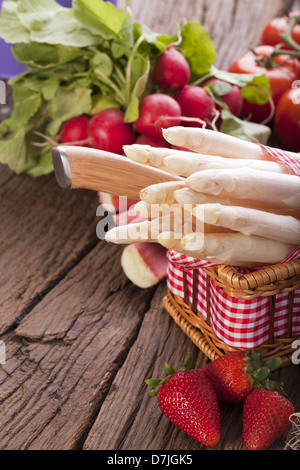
(185, 163)
(251, 222)
(212, 143)
(271, 189)
(235, 248)
(234, 205)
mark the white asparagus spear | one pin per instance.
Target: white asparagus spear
(249, 221)
(214, 143)
(187, 195)
(187, 164)
(236, 246)
(131, 233)
(151, 211)
(160, 193)
(177, 220)
(275, 189)
(171, 242)
(184, 163)
(148, 230)
(142, 209)
(149, 155)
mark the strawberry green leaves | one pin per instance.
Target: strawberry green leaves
(156, 383)
(261, 372)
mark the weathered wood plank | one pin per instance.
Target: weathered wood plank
(129, 416)
(65, 353)
(44, 232)
(233, 25)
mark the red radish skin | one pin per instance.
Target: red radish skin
(151, 253)
(157, 111)
(108, 131)
(119, 204)
(127, 217)
(171, 70)
(75, 130)
(233, 99)
(195, 102)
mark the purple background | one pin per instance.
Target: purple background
(8, 65)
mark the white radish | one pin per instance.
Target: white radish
(145, 264)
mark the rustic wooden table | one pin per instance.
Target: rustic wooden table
(80, 339)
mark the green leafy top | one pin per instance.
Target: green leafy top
(156, 383)
(82, 60)
(261, 371)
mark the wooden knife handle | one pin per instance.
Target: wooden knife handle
(88, 168)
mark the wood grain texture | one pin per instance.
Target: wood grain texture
(44, 232)
(73, 343)
(80, 338)
(234, 25)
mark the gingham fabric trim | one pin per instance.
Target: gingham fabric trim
(288, 158)
(239, 323)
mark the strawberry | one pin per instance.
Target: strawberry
(187, 398)
(266, 416)
(235, 374)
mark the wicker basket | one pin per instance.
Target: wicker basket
(268, 282)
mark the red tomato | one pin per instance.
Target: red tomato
(287, 119)
(277, 26)
(281, 78)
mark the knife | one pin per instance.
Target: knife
(89, 168)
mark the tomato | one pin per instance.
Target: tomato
(277, 26)
(281, 78)
(287, 119)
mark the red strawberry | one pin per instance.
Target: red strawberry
(265, 418)
(188, 400)
(235, 374)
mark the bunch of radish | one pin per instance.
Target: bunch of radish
(173, 102)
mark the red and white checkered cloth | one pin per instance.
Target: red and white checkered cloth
(239, 323)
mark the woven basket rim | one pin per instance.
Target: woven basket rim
(266, 281)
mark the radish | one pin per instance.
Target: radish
(144, 140)
(233, 99)
(108, 131)
(196, 103)
(113, 203)
(157, 111)
(75, 130)
(171, 70)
